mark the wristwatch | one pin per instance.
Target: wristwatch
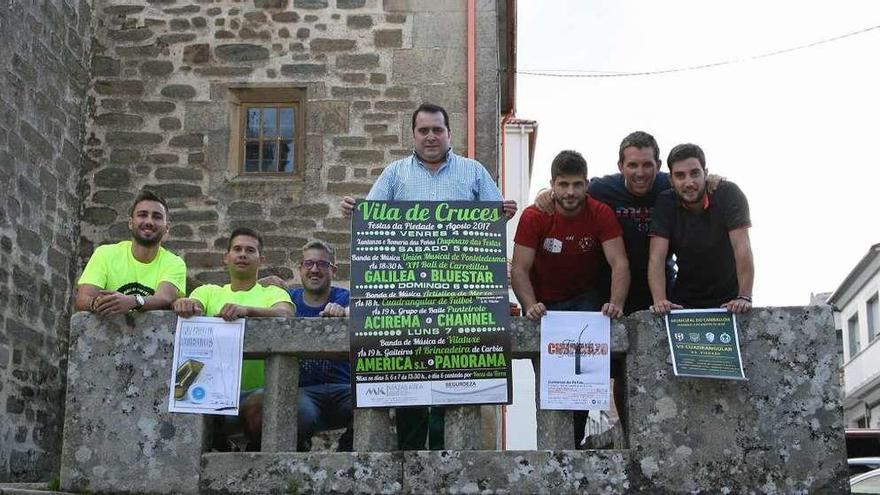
(139, 302)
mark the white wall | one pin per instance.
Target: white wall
(858, 306)
(521, 421)
(861, 370)
(516, 176)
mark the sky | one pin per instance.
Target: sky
(795, 131)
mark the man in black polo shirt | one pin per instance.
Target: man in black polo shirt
(709, 235)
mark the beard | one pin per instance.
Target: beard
(315, 286)
(146, 242)
(700, 194)
(571, 205)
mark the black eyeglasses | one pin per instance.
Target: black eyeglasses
(321, 264)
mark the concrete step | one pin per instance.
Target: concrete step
(28, 489)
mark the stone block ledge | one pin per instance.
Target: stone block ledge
(326, 337)
(447, 471)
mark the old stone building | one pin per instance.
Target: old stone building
(44, 69)
(239, 112)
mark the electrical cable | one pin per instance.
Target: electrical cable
(608, 74)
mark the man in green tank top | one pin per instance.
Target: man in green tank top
(136, 274)
(241, 297)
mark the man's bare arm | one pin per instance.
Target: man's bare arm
(274, 280)
(615, 253)
(108, 302)
(277, 309)
(745, 270)
(712, 182)
(544, 201)
(509, 208)
(523, 259)
(85, 295)
(166, 294)
(186, 307)
(231, 311)
(657, 275)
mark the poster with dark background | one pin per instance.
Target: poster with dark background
(429, 310)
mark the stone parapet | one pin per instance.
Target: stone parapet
(419, 472)
(684, 435)
(118, 433)
(779, 432)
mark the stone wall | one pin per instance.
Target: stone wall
(163, 105)
(779, 432)
(44, 81)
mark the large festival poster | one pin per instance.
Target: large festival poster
(429, 309)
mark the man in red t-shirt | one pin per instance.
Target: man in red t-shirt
(556, 256)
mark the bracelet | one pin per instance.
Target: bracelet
(745, 298)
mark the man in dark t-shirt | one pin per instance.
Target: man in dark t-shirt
(709, 235)
(631, 194)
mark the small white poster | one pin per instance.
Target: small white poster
(575, 361)
(206, 372)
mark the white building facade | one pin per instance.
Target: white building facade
(856, 306)
(518, 153)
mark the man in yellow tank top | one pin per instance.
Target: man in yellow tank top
(136, 274)
(240, 298)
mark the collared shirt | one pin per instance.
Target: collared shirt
(700, 241)
(457, 179)
(704, 202)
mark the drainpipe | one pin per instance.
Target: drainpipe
(472, 127)
(471, 78)
(503, 174)
(511, 20)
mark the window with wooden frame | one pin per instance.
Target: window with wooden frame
(268, 133)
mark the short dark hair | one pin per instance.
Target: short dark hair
(639, 139)
(147, 195)
(568, 162)
(323, 246)
(430, 108)
(248, 232)
(685, 151)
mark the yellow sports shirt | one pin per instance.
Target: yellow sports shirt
(113, 267)
(213, 297)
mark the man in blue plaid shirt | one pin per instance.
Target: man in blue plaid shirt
(432, 173)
